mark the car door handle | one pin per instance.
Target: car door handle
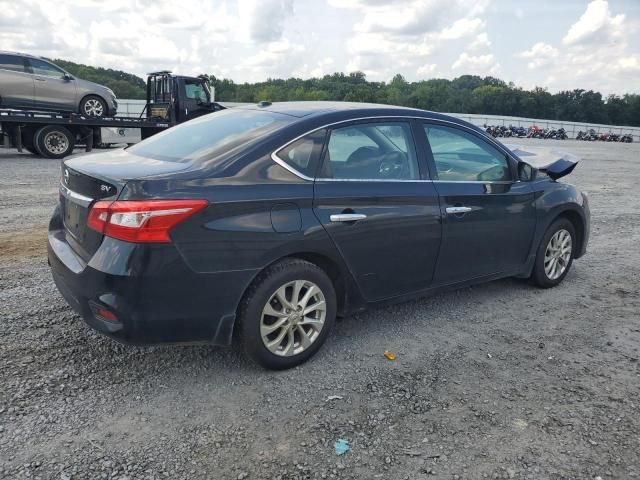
(40, 79)
(458, 210)
(347, 217)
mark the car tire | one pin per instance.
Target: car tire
(271, 322)
(93, 106)
(54, 141)
(555, 254)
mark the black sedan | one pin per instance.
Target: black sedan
(263, 223)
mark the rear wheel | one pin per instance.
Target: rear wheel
(93, 106)
(555, 254)
(286, 314)
(53, 141)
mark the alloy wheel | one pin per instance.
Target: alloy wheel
(293, 318)
(558, 254)
(93, 108)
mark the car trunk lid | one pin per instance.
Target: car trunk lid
(88, 179)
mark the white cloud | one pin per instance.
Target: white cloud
(409, 17)
(427, 70)
(631, 63)
(540, 54)
(479, 64)
(462, 27)
(264, 19)
(596, 25)
(251, 40)
(480, 42)
(322, 67)
(595, 54)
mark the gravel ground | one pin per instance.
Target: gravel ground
(497, 381)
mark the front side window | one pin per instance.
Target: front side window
(195, 91)
(210, 135)
(40, 67)
(371, 151)
(461, 156)
(11, 62)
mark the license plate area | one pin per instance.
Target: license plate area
(74, 217)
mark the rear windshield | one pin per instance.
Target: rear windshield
(210, 135)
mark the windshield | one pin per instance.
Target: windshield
(211, 135)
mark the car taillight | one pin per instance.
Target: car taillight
(141, 221)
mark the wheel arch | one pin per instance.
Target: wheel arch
(346, 291)
(578, 222)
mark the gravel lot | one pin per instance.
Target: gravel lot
(497, 381)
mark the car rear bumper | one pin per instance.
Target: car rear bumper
(163, 301)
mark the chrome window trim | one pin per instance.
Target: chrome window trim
(502, 182)
(286, 166)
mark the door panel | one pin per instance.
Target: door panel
(493, 237)
(488, 219)
(394, 249)
(17, 85)
(51, 89)
(372, 201)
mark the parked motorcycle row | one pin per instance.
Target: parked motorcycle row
(591, 136)
(551, 133)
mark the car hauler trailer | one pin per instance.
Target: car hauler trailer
(171, 99)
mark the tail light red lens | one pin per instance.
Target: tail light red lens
(141, 221)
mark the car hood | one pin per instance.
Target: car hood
(554, 163)
(95, 87)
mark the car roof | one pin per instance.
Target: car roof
(341, 111)
(302, 109)
(7, 52)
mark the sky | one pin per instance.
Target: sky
(556, 44)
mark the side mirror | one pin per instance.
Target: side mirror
(526, 172)
(67, 77)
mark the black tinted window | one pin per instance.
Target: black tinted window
(461, 156)
(302, 155)
(211, 135)
(371, 151)
(11, 62)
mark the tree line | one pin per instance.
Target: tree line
(464, 94)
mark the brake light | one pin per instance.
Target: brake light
(141, 221)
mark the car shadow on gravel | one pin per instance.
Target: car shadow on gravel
(359, 335)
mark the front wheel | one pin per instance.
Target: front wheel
(287, 314)
(93, 106)
(555, 254)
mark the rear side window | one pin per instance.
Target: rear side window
(371, 151)
(461, 156)
(11, 62)
(210, 135)
(303, 154)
